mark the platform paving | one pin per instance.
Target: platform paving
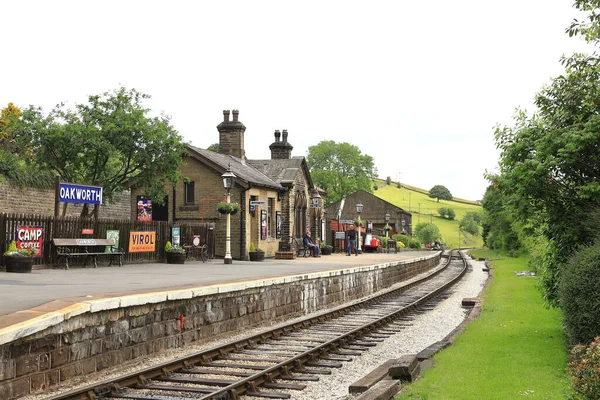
(49, 289)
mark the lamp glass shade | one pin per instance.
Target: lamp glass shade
(228, 179)
(359, 208)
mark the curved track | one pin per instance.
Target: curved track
(274, 362)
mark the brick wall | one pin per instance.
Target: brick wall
(14, 199)
(93, 342)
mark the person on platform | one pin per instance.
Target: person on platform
(309, 243)
(351, 239)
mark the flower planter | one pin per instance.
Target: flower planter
(326, 251)
(257, 255)
(18, 264)
(175, 258)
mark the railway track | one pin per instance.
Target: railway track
(285, 359)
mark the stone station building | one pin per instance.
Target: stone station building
(273, 194)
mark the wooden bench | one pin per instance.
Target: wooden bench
(66, 248)
(302, 249)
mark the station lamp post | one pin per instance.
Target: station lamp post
(387, 220)
(359, 209)
(228, 178)
(315, 203)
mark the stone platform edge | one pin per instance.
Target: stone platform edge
(36, 319)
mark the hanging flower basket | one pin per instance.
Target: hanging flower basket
(387, 228)
(359, 222)
(228, 208)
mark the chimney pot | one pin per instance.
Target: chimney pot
(225, 115)
(285, 134)
(277, 136)
(235, 115)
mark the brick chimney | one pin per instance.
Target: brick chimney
(231, 135)
(281, 150)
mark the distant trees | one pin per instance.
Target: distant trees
(340, 169)
(440, 192)
(447, 212)
(214, 147)
(388, 180)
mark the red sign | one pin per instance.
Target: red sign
(87, 231)
(30, 236)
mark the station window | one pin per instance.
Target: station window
(188, 189)
(271, 217)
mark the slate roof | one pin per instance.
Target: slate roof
(281, 170)
(244, 170)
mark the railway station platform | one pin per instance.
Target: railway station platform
(86, 319)
(34, 291)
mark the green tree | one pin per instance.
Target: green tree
(440, 192)
(470, 223)
(340, 169)
(548, 162)
(442, 211)
(388, 180)
(428, 232)
(7, 115)
(110, 141)
(498, 228)
(214, 147)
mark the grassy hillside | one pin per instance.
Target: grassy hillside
(425, 209)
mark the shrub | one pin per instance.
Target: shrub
(450, 213)
(579, 294)
(414, 243)
(402, 239)
(384, 242)
(583, 367)
(442, 211)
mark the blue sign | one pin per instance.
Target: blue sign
(71, 193)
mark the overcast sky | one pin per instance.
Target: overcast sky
(418, 85)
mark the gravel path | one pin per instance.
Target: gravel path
(425, 330)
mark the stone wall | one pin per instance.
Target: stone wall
(17, 200)
(116, 333)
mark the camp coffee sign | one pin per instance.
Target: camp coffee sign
(30, 236)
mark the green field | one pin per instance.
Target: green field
(515, 349)
(425, 209)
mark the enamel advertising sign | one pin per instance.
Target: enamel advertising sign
(30, 236)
